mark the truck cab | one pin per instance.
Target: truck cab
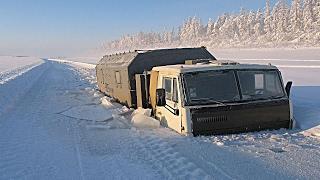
(219, 97)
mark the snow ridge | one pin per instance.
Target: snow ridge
(18, 86)
(12, 74)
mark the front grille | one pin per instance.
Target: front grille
(212, 119)
(240, 117)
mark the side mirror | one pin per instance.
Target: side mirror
(288, 87)
(161, 97)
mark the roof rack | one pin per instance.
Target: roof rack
(224, 62)
(199, 61)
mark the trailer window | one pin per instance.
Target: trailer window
(118, 77)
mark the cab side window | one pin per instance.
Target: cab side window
(167, 83)
(175, 90)
(170, 85)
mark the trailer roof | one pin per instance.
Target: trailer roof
(121, 59)
(157, 55)
(183, 68)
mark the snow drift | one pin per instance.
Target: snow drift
(141, 119)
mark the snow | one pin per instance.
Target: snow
(14, 66)
(75, 63)
(54, 124)
(89, 113)
(89, 59)
(9, 63)
(140, 118)
(17, 84)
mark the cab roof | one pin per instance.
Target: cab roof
(216, 65)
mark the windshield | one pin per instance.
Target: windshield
(211, 86)
(260, 84)
(222, 86)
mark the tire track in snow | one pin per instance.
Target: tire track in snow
(76, 140)
(165, 159)
(15, 143)
(13, 155)
(9, 158)
(210, 163)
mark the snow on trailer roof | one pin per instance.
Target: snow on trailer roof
(119, 59)
(215, 65)
(168, 55)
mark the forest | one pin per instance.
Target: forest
(295, 24)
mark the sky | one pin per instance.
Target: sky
(71, 27)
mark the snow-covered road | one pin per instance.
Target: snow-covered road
(50, 133)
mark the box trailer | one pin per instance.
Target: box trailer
(201, 95)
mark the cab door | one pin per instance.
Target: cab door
(170, 114)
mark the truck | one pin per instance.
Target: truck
(195, 94)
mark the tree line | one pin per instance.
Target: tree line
(281, 25)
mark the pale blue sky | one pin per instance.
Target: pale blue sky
(65, 27)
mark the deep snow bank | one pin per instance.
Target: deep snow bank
(16, 88)
(141, 119)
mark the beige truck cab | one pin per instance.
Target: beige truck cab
(219, 97)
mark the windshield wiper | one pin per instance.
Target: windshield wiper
(253, 98)
(210, 100)
(275, 97)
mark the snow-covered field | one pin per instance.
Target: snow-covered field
(13, 66)
(60, 127)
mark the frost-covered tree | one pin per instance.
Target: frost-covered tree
(280, 16)
(268, 19)
(191, 30)
(259, 23)
(251, 21)
(242, 22)
(296, 16)
(210, 28)
(316, 10)
(219, 23)
(308, 16)
(227, 28)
